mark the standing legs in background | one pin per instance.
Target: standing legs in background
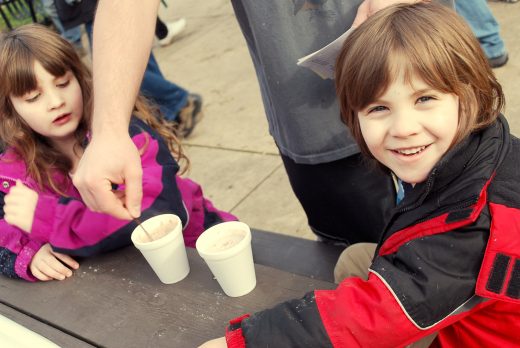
(485, 27)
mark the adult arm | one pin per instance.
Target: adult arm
(123, 33)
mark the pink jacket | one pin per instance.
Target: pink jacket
(71, 228)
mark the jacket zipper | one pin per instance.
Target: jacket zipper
(417, 203)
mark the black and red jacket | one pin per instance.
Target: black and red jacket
(448, 262)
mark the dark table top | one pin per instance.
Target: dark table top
(115, 300)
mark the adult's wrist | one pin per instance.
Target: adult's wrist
(113, 125)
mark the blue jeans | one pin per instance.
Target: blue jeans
(169, 97)
(72, 35)
(484, 25)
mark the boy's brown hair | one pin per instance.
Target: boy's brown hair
(429, 41)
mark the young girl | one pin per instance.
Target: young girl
(420, 98)
(45, 112)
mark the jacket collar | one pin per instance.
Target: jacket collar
(458, 178)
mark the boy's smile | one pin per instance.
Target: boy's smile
(410, 127)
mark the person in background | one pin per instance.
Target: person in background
(485, 27)
(45, 113)
(167, 32)
(415, 90)
(72, 35)
(327, 173)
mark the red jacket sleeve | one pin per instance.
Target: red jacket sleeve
(421, 288)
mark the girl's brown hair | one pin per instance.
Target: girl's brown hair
(19, 49)
(429, 41)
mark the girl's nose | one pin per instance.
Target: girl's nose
(404, 124)
(55, 100)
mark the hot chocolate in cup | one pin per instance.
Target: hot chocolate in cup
(226, 248)
(165, 252)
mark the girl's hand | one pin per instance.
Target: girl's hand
(19, 207)
(45, 264)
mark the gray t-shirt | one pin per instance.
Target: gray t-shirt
(301, 107)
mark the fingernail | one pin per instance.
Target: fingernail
(136, 211)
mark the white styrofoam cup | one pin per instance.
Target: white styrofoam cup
(166, 254)
(226, 248)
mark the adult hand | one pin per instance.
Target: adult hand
(45, 264)
(19, 206)
(216, 343)
(369, 7)
(110, 158)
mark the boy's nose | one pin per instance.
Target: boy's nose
(404, 124)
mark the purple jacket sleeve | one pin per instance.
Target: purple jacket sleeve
(16, 252)
(70, 227)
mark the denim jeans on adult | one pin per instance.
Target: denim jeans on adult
(484, 25)
(72, 35)
(170, 97)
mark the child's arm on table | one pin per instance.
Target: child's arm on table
(19, 207)
(362, 313)
(16, 252)
(16, 248)
(45, 264)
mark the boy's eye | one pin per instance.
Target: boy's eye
(425, 98)
(378, 108)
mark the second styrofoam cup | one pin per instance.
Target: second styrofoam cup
(166, 252)
(226, 248)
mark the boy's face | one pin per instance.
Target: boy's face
(54, 109)
(410, 127)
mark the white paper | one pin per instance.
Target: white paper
(322, 61)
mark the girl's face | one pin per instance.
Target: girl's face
(54, 109)
(410, 127)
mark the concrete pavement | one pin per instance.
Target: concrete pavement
(233, 156)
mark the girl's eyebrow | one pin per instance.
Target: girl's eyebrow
(66, 74)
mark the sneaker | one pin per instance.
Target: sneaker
(499, 61)
(189, 116)
(174, 29)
